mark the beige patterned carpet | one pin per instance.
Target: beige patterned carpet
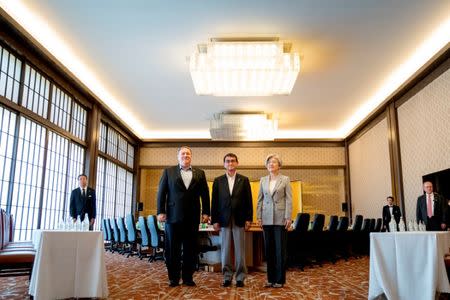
(131, 278)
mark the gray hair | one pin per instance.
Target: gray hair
(274, 156)
(184, 147)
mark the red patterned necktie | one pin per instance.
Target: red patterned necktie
(429, 206)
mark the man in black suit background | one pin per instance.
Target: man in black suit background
(231, 212)
(83, 201)
(431, 209)
(179, 193)
(390, 210)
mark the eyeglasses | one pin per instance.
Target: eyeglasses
(230, 161)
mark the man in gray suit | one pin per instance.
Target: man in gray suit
(231, 212)
(431, 209)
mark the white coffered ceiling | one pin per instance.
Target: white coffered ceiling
(133, 56)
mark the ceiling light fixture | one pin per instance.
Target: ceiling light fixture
(243, 126)
(244, 67)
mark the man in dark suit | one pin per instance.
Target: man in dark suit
(390, 210)
(179, 193)
(231, 212)
(431, 209)
(83, 201)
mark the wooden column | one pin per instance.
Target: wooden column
(394, 155)
(348, 194)
(92, 149)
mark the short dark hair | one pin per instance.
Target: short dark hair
(390, 197)
(230, 155)
(82, 175)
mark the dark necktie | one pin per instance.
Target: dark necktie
(84, 193)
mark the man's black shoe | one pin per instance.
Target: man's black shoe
(189, 283)
(239, 283)
(173, 283)
(226, 283)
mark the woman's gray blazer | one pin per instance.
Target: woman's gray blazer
(274, 208)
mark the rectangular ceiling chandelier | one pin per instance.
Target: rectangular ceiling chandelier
(244, 67)
(243, 126)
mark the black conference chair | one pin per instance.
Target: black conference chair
(297, 253)
(366, 225)
(343, 238)
(373, 223)
(318, 223)
(361, 239)
(332, 226)
(378, 225)
(343, 224)
(301, 222)
(357, 225)
(316, 241)
(331, 239)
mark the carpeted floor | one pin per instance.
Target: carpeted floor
(131, 278)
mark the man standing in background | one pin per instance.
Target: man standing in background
(390, 211)
(431, 209)
(83, 201)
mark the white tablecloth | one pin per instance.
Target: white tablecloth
(68, 264)
(408, 265)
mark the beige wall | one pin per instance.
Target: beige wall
(370, 177)
(424, 126)
(212, 156)
(323, 188)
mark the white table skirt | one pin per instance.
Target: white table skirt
(408, 265)
(68, 264)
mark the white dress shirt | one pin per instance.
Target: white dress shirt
(186, 175)
(231, 180)
(272, 183)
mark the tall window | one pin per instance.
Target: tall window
(40, 160)
(114, 174)
(43, 171)
(38, 166)
(7, 129)
(76, 167)
(27, 178)
(55, 181)
(110, 189)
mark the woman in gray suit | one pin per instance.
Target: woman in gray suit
(274, 215)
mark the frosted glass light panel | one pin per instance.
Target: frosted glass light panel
(244, 69)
